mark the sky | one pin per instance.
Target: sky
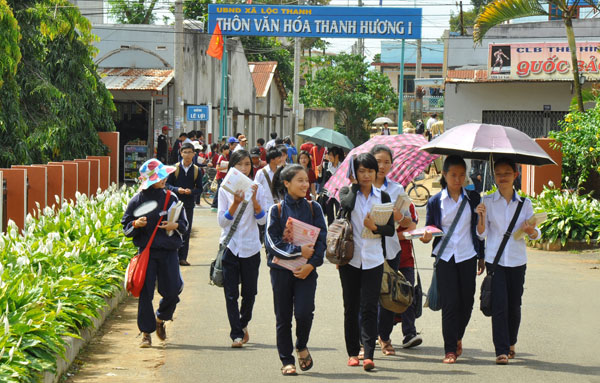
(436, 16)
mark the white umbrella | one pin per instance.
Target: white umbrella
(382, 120)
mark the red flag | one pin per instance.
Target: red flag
(215, 47)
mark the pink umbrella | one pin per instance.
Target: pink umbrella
(409, 160)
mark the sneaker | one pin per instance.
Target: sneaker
(246, 335)
(146, 340)
(161, 333)
(237, 343)
(412, 341)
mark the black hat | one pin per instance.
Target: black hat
(255, 152)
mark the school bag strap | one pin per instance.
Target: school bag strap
(309, 204)
(196, 171)
(506, 236)
(461, 208)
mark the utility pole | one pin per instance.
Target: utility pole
(179, 41)
(296, 90)
(462, 23)
(418, 75)
(361, 42)
(401, 91)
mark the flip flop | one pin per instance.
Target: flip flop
(502, 359)
(450, 358)
(306, 362)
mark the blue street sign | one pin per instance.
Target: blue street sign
(197, 113)
(316, 21)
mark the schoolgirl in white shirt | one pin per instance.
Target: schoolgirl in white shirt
(361, 278)
(385, 159)
(495, 214)
(241, 260)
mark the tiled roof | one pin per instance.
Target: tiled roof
(263, 74)
(129, 79)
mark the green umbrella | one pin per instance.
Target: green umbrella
(327, 137)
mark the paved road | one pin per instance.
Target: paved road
(559, 338)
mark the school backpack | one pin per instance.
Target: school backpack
(340, 242)
(196, 171)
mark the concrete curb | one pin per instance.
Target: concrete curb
(75, 345)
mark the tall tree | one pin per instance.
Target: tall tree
(133, 11)
(52, 106)
(358, 94)
(499, 11)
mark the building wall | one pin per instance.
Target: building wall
(323, 117)
(464, 102)
(93, 10)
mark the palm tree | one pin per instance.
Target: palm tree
(500, 11)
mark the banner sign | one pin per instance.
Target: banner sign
(542, 61)
(315, 21)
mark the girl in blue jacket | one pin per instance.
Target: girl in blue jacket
(293, 291)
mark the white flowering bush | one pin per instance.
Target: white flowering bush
(55, 276)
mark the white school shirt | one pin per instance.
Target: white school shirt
(261, 180)
(460, 245)
(499, 213)
(368, 253)
(246, 240)
(392, 244)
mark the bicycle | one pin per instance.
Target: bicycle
(418, 193)
(207, 194)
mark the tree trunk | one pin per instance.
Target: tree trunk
(573, 48)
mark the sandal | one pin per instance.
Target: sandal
(361, 354)
(288, 370)
(459, 348)
(502, 359)
(368, 365)
(353, 361)
(450, 358)
(305, 362)
(512, 353)
(386, 347)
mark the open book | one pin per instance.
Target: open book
(173, 214)
(402, 203)
(302, 232)
(235, 181)
(535, 220)
(381, 214)
(418, 233)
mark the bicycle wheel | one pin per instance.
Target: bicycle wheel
(419, 194)
(207, 194)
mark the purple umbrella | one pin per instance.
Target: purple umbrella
(485, 142)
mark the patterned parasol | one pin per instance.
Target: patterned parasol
(409, 160)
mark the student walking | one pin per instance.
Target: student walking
(304, 160)
(456, 263)
(495, 214)
(241, 260)
(221, 172)
(361, 278)
(326, 170)
(392, 248)
(264, 177)
(186, 181)
(294, 291)
(163, 264)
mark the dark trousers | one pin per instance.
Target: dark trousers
(183, 250)
(385, 318)
(360, 290)
(507, 290)
(408, 317)
(215, 202)
(236, 270)
(163, 266)
(292, 296)
(456, 283)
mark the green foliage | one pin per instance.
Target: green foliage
(55, 277)
(358, 94)
(570, 216)
(579, 138)
(53, 106)
(9, 41)
(133, 11)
